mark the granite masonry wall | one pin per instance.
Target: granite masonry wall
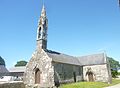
(67, 73)
(100, 72)
(41, 61)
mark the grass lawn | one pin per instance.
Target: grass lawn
(89, 84)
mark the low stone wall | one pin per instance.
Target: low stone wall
(12, 85)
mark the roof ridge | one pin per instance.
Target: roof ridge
(90, 55)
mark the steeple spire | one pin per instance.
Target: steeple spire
(43, 12)
(42, 30)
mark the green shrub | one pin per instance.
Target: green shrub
(114, 73)
(118, 73)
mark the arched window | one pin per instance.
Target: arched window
(37, 76)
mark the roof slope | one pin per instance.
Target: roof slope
(62, 58)
(3, 69)
(92, 59)
(83, 60)
(18, 69)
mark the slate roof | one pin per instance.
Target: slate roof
(94, 59)
(14, 71)
(17, 69)
(3, 69)
(62, 58)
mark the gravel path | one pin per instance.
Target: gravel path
(115, 86)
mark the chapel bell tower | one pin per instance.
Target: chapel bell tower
(42, 30)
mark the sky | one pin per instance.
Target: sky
(75, 27)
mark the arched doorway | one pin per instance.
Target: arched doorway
(37, 76)
(90, 74)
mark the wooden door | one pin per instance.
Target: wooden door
(37, 76)
(74, 74)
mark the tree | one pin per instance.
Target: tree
(21, 63)
(114, 66)
(2, 62)
(113, 63)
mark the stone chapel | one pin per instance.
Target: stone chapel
(46, 67)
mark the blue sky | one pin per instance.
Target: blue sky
(76, 27)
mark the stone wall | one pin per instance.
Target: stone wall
(100, 72)
(12, 85)
(66, 73)
(40, 61)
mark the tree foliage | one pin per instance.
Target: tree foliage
(2, 62)
(114, 73)
(113, 63)
(21, 63)
(114, 66)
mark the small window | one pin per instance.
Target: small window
(39, 32)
